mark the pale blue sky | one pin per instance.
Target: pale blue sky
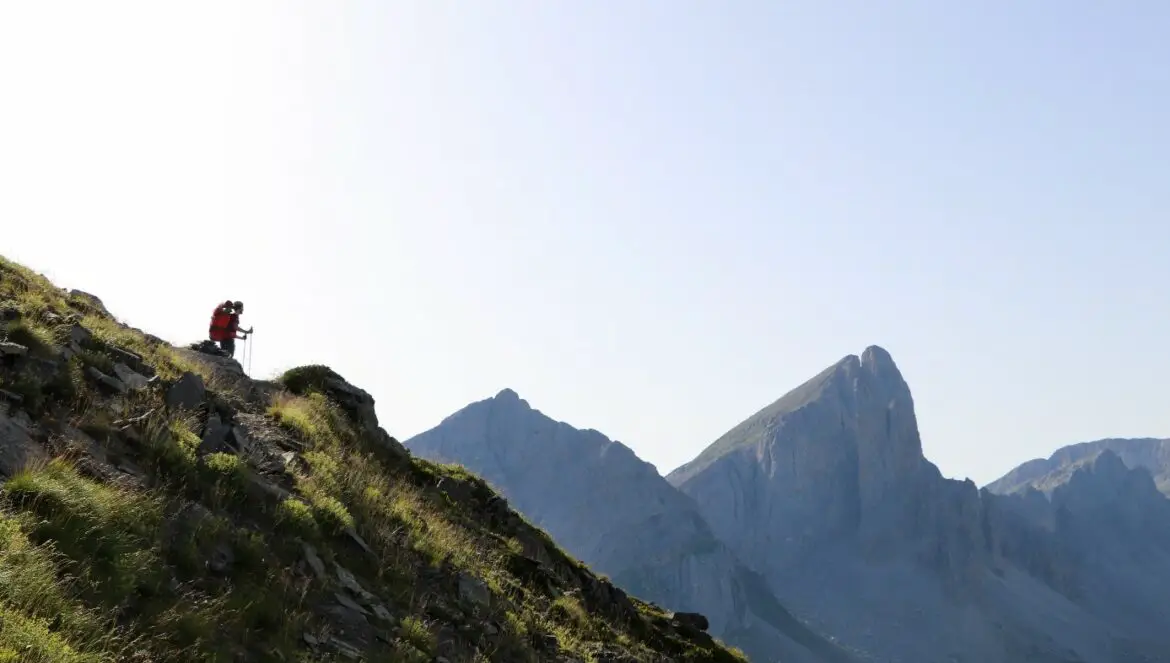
(647, 218)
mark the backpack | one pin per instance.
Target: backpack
(221, 319)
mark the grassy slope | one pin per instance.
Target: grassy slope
(126, 542)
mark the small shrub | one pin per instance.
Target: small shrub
(331, 512)
(415, 632)
(293, 514)
(226, 479)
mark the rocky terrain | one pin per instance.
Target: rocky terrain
(615, 512)
(159, 505)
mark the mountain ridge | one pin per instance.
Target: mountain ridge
(616, 512)
(1148, 452)
(827, 491)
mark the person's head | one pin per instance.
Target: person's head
(239, 306)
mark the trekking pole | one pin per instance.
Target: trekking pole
(251, 350)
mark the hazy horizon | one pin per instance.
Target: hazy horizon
(648, 219)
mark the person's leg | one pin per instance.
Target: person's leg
(229, 346)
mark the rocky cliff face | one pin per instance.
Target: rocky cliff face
(615, 512)
(1099, 533)
(837, 460)
(827, 493)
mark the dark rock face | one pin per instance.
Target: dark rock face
(827, 493)
(616, 513)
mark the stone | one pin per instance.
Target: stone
(92, 300)
(79, 336)
(17, 445)
(347, 602)
(458, 491)
(474, 591)
(692, 620)
(221, 559)
(132, 360)
(134, 380)
(357, 538)
(214, 436)
(275, 491)
(9, 313)
(345, 649)
(40, 370)
(314, 561)
(187, 393)
(110, 382)
(11, 397)
(348, 581)
(240, 436)
(15, 349)
(390, 444)
(382, 613)
(546, 642)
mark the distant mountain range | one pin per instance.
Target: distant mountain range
(815, 530)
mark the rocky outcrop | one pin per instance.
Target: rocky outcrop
(826, 491)
(357, 403)
(616, 513)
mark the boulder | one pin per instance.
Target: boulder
(15, 349)
(17, 445)
(92, 300)
(187, 393)
(214, 436)
(474, 591)
(79, 335)
(110, 382)
(134, 380)
(132, 360)
(692, 620)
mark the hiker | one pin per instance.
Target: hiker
(225, 326)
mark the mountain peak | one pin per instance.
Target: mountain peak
(867, 390)
(507, 394)
(877, 360)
